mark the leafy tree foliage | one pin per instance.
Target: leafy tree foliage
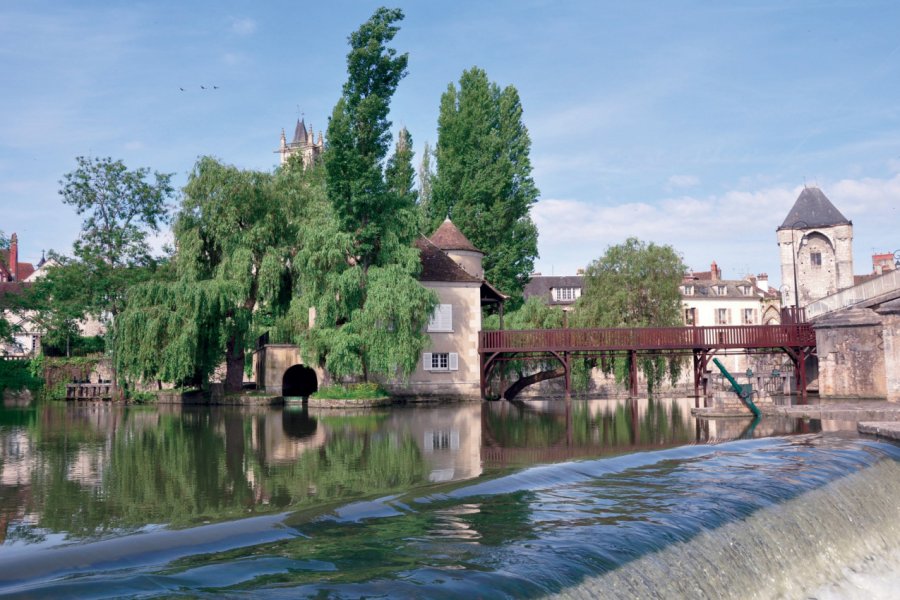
(358, 138)
(122, 208)
(634, 284)
(426, 183)
(236, 233)
(357, 268)
(483, 178)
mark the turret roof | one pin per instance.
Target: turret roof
(437, 266)
(449, 237)
(813, 209)
(300, 132)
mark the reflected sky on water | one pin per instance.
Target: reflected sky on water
(87, 470)
(215, 490)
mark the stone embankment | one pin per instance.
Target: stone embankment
(861, 410)
(872, 417)
(883, 429)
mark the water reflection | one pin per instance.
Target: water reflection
(89, 471)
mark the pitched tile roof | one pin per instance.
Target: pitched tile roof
(449, 237)
(437, 266)
(25, 269)
(813, 209)
(540, 285)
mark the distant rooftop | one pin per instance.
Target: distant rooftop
(449, 237)
(813, 209)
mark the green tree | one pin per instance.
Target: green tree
(236, 233)
(483, 180)
(358, 269)
(122, 208)
(426, 183)
(634, 284)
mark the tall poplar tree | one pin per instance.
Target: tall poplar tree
(483, 179)
(358, 275)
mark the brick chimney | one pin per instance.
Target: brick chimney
(14, 257)
(714, 272)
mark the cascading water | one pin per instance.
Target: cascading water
(777, 517)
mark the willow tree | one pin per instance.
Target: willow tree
(483, 179)
(358, 271)
(236, 233)
(634, 284)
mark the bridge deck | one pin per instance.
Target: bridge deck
(647, 338)
(797, 339)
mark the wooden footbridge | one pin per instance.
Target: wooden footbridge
(796, 339)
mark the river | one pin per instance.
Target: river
(591, 498)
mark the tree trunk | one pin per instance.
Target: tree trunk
(234, 365)
(524, 382)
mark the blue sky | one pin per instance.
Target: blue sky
(689, 123)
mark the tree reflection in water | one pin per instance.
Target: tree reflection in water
(559, 430)
(88, 472)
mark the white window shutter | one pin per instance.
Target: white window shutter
(454, 361)
(442, 319)
(426, 361)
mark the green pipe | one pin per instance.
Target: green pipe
(738, 389)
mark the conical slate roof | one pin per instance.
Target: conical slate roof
(449, 237)
(813, 209)
(300, 132)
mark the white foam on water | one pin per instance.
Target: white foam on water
(877, 577)
(838, 541)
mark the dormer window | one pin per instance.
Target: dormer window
(719, 290)
(687, 290)
(746, 290)
(566, 294)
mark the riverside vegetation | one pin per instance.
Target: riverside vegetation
(256, 252)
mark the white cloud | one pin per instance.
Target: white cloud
(682, 181)
(736, 228)
(243, 26)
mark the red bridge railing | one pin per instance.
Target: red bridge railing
(648, 338)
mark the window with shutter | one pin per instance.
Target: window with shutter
(442, 319)
(440, 361)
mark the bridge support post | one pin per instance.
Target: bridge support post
(801, 373)
(567, 365)
(632, 373)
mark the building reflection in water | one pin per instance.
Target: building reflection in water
(84, 468)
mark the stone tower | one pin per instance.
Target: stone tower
(304, 143)
(816, 244)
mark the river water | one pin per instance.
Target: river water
(587, 499)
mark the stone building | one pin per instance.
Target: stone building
(15, 278)
(709, 300)
(305, 143)
(450, 366)
(452, 267)
(556, 290)
(816, 244)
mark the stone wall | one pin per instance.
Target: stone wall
(465, 382)
(890, 319)
(851, 349)
(835, 271)
(272, 360)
